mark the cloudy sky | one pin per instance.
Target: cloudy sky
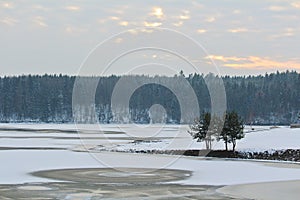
(241, 37)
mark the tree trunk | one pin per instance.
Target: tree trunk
(207, 144)
(233, 146)
(226, 145)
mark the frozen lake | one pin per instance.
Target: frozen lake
(30, 148)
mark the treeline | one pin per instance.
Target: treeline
(269, 99)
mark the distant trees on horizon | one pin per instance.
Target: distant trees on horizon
(269, 99)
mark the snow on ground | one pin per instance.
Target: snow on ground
(16, 164)
(163, 137)
(268, 140)
(264, 138)
(225, 172)
(137, 146)
(277, 138)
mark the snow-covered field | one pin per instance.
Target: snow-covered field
(15, 166)
(259, 140)
(18, 163)
(142, 137)
(266, 139)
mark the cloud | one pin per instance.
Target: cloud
(102, 21)
(201, 31)
(118, 10)
(157, 12)
(69, 29)
(40, 21)
(115, 18)
(288, 32)
(295, 5)
(39, 7)
(197, 5)
(236, 12)
(124, 23)
(277, 8)
(152, 24)
(140, 30)
(8, 5)
(286, 17)
(185, 15)
(74, 30)
(225, 59)
(118, 40)
(178, 24)
(237, 30)
(210, 19)
(72, 8)
(254, 62)
(9, 21)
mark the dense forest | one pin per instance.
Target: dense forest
(270, 99)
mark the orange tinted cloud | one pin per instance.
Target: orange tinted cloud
(295, 5)
(157, 12)
(277, 8)
(185, 15)
(72, 8)
(154, 24)
(254, 62)
(238, 30)
(7, 5)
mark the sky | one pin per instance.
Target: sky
(234, 37)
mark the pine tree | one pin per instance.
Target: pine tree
(232, 130)
(199, 130)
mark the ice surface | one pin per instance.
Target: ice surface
(17, 164)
